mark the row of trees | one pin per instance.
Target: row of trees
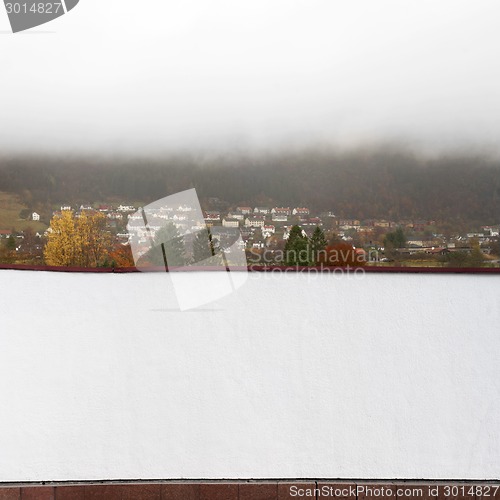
(8, 250)
(316, 250)
(169, 249)
(83, 241)
(394, 240)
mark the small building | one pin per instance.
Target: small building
(257, 221)
(212, 215)
(349, 224)
(117, 216)
(315, 221)
(125, 208)
(419, 226)
(300, 211)
(184, 208)
(437, 251)
(280, 217)
(244, 210)
(382, 223)
(415, 243)
(261, 210)
(491, 231)
(228, 222)
(35, 217)
(236, 214)
(268, 231)
(281, 210)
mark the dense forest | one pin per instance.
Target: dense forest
(383, 183)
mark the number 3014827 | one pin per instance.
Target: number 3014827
(35, 8)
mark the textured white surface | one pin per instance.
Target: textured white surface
(383, 376)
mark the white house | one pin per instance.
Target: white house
(257, 221)
(184, 208)
(315, 221)
(491, 231)
(126, 208)
(179, 217)
(230, 222)
(349, 224)
(235, 214)
(261, 210)
(280, 217)
(134, 217)
(212, 215)
(35, 217)
(118, 216)
(281, 211)
(268, 231)
(300, 211)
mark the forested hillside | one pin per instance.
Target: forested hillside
(361, 184)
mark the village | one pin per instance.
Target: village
(265, 230)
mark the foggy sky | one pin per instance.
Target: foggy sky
(123, 75)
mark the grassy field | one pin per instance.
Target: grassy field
(409, 263)
(10, 206)
(426, 263)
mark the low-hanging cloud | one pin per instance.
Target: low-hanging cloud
(152, 76)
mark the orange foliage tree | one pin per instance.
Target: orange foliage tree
(342, 255)
(121, 256)
(81, 240)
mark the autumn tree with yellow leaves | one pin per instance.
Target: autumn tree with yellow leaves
(77, 240)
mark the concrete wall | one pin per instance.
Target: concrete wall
(292, 376)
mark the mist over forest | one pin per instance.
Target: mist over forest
(386, 182)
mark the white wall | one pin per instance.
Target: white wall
(383, 376)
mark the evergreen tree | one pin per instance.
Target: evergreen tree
(295, 233)
(11, 243)
(169, 249)
(397, 239)
(297, 248)
(393, 241)
(203, 247)
(495, 247)
(317, 244)
(8, 250)
(476, 257)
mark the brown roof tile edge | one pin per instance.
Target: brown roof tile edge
(285, 480)
(368, 269)
(281, 489)
(256, 481)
